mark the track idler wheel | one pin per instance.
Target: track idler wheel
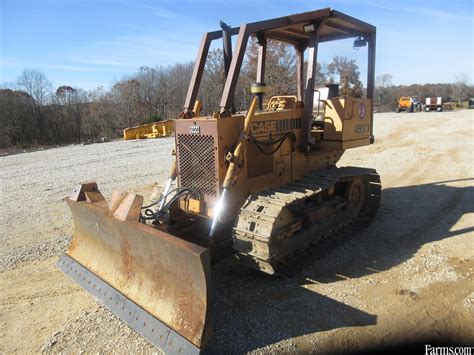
(357, 193)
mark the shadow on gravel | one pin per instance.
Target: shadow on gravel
(408, 218)
(252, 310)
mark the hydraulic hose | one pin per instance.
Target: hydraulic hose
(234, 166)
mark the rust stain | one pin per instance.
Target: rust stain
(127, 260)
(190, 317)
(175, 282)
(72, 246)
(163, 274)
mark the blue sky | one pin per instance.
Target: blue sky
(85, 43)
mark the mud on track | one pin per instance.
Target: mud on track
(409, 275)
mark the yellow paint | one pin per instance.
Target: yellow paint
(150, 130)
(191, 205)
(347, 120)
(404, 101)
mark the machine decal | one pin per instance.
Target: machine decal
(362, 128)
(361, 110)
(275, 126)
(194, 129)
(263, 127)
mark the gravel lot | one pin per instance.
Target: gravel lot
(409, 275)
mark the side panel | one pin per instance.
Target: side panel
(265, 170)
(204, 166)
(202, 145)
(197, 156)
(347, 120)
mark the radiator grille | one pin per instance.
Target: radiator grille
(197, 167)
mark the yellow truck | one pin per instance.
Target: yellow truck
(408, 104)
(150, 130)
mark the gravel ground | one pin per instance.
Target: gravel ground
(34, 184)
(409, 275)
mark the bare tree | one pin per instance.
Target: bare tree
(129, 105)
(35, 84)
(39, 88)
(71, 102)
(66, 94)
(148, 80)
(100, 116)
(460, 88)
(177, 78)
(15, 118)
(280, 67)
(213, 81)
(382, 82)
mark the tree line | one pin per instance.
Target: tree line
(33, 112)
(386, 95)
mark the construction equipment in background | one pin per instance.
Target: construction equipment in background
(262, 185)
(416, 104)
(157, 129)
(434, 104)
(408, 104)
(449, 106)
(150, 130)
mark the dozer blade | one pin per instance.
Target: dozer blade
(155, 282)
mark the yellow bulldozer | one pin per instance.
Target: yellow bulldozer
(261, 185)
(150, 130)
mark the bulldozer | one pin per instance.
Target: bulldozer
(260, 186)
(149, 130)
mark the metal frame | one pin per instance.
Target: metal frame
(299, 71)
(371, 42)
(199, 64)
(262, 56)
(309, 89)
(329, 24)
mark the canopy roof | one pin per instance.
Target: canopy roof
(328, 24)
(290, 29)
(336, 25)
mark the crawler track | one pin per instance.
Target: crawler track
(275, 224)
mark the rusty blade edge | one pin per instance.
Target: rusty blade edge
(156, 332)
(104, 211)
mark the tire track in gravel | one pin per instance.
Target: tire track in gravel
(415, 174)
(15, 257)
(454, 156)
(439, 214)
(48, 294)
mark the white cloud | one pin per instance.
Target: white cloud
(132, 52)
(408, 6)
(163, 13)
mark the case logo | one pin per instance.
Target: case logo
(263, 127)
(194, 129)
